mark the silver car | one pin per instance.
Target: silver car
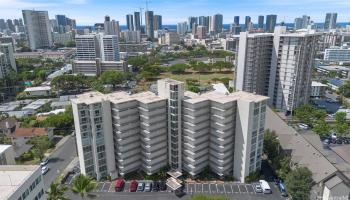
(257, 188)
(148, 187)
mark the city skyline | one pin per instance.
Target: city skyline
(286, 11)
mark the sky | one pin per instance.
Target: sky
(88, 12)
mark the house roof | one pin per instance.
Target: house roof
(331, 183)
(303, 153)
(8, 123)
(31, 132)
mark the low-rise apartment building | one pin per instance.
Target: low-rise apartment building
(20, 182)
(120, 133)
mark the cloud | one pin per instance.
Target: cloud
(77, 2)
(23, 4)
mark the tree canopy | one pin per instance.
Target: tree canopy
(299, 182)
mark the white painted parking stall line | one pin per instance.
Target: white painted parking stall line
(217, 191)
(195, 187)
(246, 188)
(187, 187)
(224, 189)
(209, 188)
(202, 188)
(231, 188)
(239, 189)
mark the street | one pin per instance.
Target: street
(59, 160)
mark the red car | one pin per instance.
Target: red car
(133, 186)
(119, 185)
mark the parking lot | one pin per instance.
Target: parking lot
(210, 188)
(227, 188)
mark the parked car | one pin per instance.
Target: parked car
(44, 162)
(119, 185)
(148, 187)
(140, 187)
(44, 169)
(155, 186)
(282, 189)
(162, 185)
(257, 188)
(133, 186)
(326, 142)
(265, 187)
(303, 126)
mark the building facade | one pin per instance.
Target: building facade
(284, 63)
(7, 155)
(38, 29)
(337, 54)
(119, 133)
(330, 21)
(149, 18)
(20, 182)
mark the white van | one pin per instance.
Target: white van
(265, 187)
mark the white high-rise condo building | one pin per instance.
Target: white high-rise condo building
(88, 47)
(110, 48)
(38, 29)
(181, 28)
(96, 54)
(120, 133)
(8, 51)
(277, 65)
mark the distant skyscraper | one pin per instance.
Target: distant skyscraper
(2, 24)
(248, 21)
(235, 29)
(10, 25)
(203, 21)
(202, 32)
(38, 28)
(217, 23)
(331, 21)
(130, 22)
(137, 24)
(149, 18)
(157, 20)
(270, 23)
(261, 22)
(61, 20)
(191, 21)
(111, 27)
(236, 20)
(182, 28)
(302, 22)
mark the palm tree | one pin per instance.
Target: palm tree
(56, 192)
(83, 185)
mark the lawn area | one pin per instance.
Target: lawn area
(205, 79)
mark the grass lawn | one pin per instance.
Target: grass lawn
(205, 79)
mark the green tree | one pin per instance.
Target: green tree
(298, 183)
(178, 68)
(284, 167)
(201, 67)
(139, 61)
(340, 117)
(112, 77)
(322, 128)
(150, 71)
(342, 129)
(63, 122)
(206, 197)
(220, 65)
(83, 185)
(70, 44)
(304, 114)
(40, 146)
(56, 192)
(345, 89)
(271, 145)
